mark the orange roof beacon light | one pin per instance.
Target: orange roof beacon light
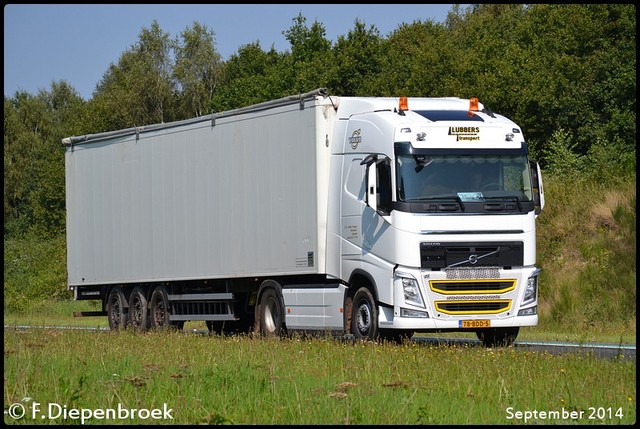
(404, 103)
(473, 104)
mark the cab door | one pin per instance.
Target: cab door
(353, 204)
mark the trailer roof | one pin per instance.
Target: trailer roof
(300, 98)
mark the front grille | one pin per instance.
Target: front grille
(472, 286)
(473, 307)
(473, 273)
(457, 255)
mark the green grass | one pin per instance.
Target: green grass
(242, 380)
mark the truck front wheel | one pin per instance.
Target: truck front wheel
(364, 316)
(117, 309)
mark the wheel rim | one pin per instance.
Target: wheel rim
(116, 311)
(270, 314)
(136, 312)
(363, 319)
(159, 313)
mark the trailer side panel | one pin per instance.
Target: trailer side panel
(233, 197)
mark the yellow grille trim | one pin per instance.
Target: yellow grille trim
(433, 285)
(440, 309)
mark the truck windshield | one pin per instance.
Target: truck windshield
(467, 177)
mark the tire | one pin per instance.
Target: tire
(117, 309)
(498, 337)
(159, 309)
(139, 310)
(271, 314)
(364, 316)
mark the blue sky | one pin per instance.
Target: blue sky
(77, 43)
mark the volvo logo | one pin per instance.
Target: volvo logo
(473, 259)
(355, 139)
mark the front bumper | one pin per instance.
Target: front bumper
(463, 299)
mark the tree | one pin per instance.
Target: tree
(415, 61)
(34, 182)
(140, 89)
(356, 60)
(251, 76)
(308, 65)
(197, 70)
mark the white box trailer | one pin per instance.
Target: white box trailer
(236, 195)
(303, 213)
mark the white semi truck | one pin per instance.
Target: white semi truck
(370, 216)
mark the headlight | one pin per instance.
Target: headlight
(410, 289)
(531, 291)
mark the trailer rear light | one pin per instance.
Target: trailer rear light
(404, 103)
(473, 104)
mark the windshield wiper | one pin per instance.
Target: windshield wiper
(508, 198)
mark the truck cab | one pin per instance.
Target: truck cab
(436, 218)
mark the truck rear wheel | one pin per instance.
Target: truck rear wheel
(117, 309)
(364, 316)
(271, 314)
(139, 309)
(497, 337)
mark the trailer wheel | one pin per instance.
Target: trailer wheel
(117, 309)
(497, 337)
(139, 309)
(271, 314)
(159, 310)
(364, 316)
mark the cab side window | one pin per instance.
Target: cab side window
(383, 178)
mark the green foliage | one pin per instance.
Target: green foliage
(560, 158)
(197, 70)
(140, 89)
(410, 66)
(33, 158)
(306, 68)
(587, 251)
(34, 271)
(250, 77)
(356, 58)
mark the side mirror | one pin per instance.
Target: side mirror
(536, 183)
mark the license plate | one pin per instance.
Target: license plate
(473, 324)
